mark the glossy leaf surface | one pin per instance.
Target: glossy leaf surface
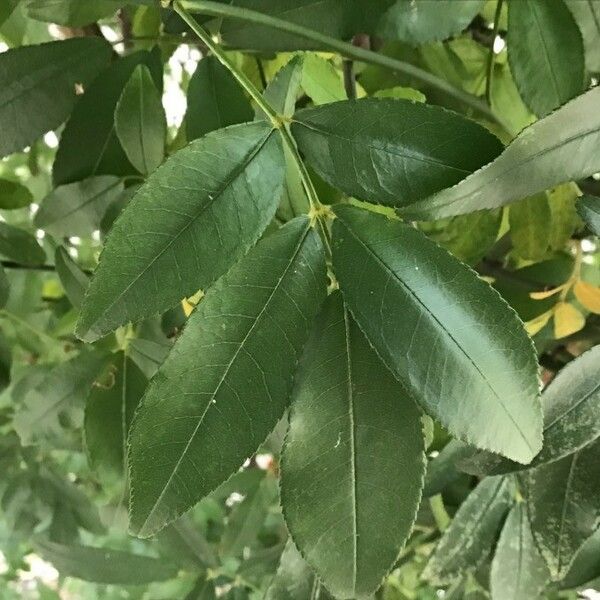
(441, 331)
(220, 192)
(254, 321)
(354, 448)
(555, 149)
(391, 152)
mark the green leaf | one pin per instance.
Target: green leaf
(559, 148)
(468, 237)
(440, 329)
(564, 219)
(13, 195)
(442, 470)
(282, 91)
(586, 565)
(71, 13)
(529, 229)
(419, 21)
(31, 106)
(89, 145)
(281, 94)
(4, 288)
(246, 520)
(587, 16)
(140, 121)
(354, 441)
(76, 209)
(472, 532)
(215, 100)
(588, 208)
(571, 406)
(108, 414)
(321, 82)
(391, 152)
(5, 356)
(336, 18)
(294, 579)
(213, 199)
(563, 501)
(104, 565)
(58, 397)
(74, 281)
(215, 408)
(401, 93)
(203, 590)
(545, 52)
(20, 246)
(518, 571)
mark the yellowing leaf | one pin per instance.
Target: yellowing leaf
(546, 294)
(567, 320)
(588, 295)
(537, 324)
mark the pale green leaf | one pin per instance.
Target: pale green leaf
(71, 13)
(529, 230)
(187, 224)
(391, 152)
(563, 501)
(215, 408)
(559, 148)
(282, 91)
(321, 82)
(294, 579)
(518, 571)
(472, 532)
(58, 398)
(76, 209)
(441, 330)
(104, 565)
(20, 246)
(140, 121)
(353, 461)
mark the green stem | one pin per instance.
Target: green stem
(217, 9)
(319, 213)
(181, 10)
(490, 61)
